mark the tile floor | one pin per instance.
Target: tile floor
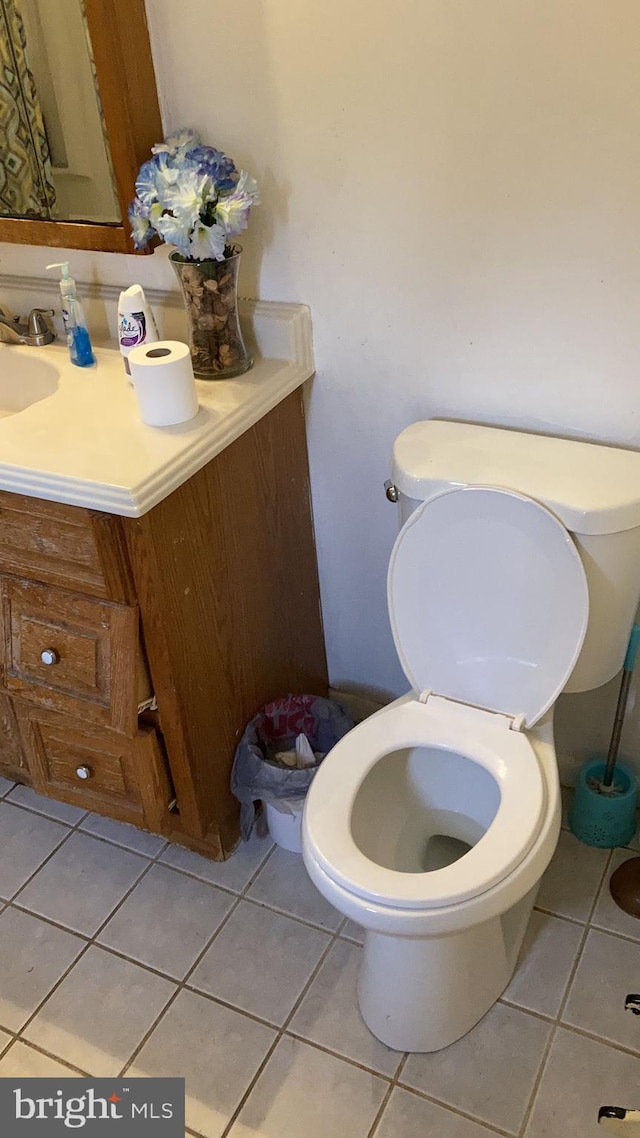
(121, 954)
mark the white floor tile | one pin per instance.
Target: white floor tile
(609, 968)
(329, 1014)
(23, 1062)
(50, 807)
(217, 1050)
(491, 1072)
(234, 874)
(26, 839)
(100, 1012)
(580, 1076)
(34, 956)
(285, 884)
(408, 1116)
(122, 834)
(570, 885)
(287, 952)
(607, 915)
(82, 883)
(167, 920)
(5, 786)
(543, 971)
(303, 1091)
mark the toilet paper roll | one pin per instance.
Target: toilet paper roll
(163, 381)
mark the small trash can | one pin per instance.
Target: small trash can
(286, 827)
(295, 728)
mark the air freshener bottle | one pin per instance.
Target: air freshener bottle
(136, 324)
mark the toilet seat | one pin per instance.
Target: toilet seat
(481, 737)
(488, 603)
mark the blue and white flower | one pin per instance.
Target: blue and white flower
(140, 225)
(178, 143)
(191, 196)
(207, 241)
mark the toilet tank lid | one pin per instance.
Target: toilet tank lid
(591, 488)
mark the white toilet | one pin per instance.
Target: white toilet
(515, 576)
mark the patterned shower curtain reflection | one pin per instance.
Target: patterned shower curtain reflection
(26, 186)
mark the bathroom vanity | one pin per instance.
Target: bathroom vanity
(157, 587)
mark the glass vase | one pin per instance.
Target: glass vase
(210, 290)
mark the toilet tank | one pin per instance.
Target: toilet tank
(594, 490)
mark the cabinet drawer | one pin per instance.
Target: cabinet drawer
(97, 769)
(63, 545)
(70, 653)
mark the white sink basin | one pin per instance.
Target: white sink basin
(23, 380)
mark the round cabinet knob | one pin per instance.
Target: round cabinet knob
(49, 656)
(84, 772)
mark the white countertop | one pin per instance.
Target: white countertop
(85, 445)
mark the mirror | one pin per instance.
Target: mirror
(74, 127)
(54, 161)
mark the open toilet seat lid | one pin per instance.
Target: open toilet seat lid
(488, 601)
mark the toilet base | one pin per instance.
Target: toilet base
(424, 993)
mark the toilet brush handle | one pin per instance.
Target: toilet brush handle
(627, 672)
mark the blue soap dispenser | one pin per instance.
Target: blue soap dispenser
(75, 324)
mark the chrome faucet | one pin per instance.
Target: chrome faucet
(35, 332)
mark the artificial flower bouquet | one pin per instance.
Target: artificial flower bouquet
(192, 196)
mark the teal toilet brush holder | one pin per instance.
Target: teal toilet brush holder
(603, 811)
(601, 819)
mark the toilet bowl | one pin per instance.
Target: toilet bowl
(431, 823)
(434, 965)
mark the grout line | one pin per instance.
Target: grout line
(183, 984)
(301, 920)
(455, 1110)
(616, 933)
(583, 939)
(67, 834)
(559, 916)
(574, 1030)
(42, 814)
(73, 1070)
(252, 1083)
(528, 1110)
(285, 1031)
(89, 941)
(326, 1050)
(558, 1019)
(275, 1043)
(548, 1019)
(380, 1111)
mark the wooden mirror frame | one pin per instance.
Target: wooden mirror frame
(127, 85)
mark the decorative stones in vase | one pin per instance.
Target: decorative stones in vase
(211, 299)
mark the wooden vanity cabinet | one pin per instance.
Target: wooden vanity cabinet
(134, 650)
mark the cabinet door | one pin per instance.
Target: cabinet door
(97, 769)
(71, 654)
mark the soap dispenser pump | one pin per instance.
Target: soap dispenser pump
(75, 324)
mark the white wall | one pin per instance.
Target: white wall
(454, 188)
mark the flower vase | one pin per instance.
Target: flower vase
(211, 299)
